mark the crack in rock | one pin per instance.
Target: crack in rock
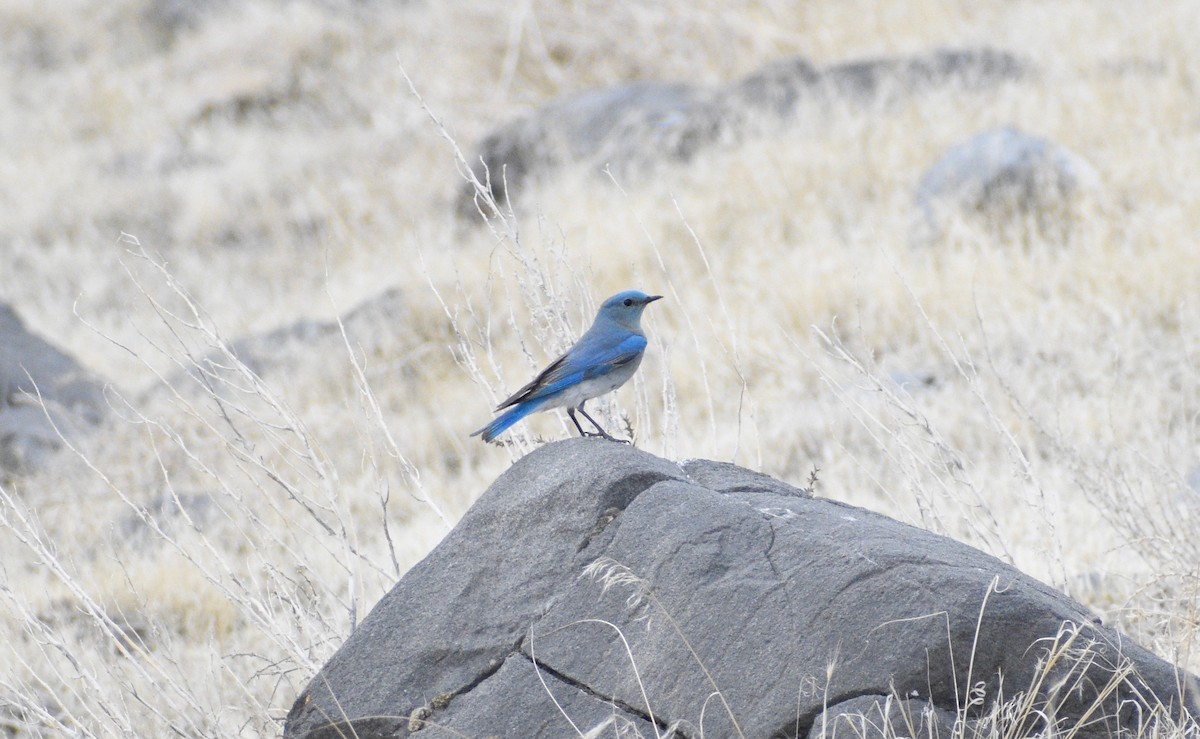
(672, 731)
(420, 716)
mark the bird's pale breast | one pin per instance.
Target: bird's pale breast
(595, 386)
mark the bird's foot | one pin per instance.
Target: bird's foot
(604, 435)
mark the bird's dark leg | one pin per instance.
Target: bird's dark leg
(599, 428)
(574, 420)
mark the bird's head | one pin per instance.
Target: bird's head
(625, 308)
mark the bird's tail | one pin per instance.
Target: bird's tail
(501, 423)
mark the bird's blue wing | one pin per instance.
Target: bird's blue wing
(582, 362)
(587, 361)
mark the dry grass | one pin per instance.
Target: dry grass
(189, 569)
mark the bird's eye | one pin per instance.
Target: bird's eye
(628, 302)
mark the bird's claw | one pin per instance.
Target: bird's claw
(603, 435)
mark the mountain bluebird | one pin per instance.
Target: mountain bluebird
(601, 361)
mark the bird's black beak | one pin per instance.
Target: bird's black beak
(652, 298)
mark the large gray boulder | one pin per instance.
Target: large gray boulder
(45, 395)
(597, 585)
(1004, 179)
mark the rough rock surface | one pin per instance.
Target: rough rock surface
(1004, 177)
(73, 398)
(631, 127)
(714, 595)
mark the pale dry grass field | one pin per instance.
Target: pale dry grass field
(177, 176)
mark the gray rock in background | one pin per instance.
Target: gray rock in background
(772, 92)
(633, 126)
(778, 90)
(377, 330)
(170, 512)
(1004, 177)
(376, 323)
(171, 18)
(963, 69)
(624, 127)
(71, 398)
(729, 588)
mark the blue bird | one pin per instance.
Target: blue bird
(601, 361)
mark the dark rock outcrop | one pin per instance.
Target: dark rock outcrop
(596, 583)
(71, 398)
(632, 127)
(777, 91)
(968, 69)
(1003, 178)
